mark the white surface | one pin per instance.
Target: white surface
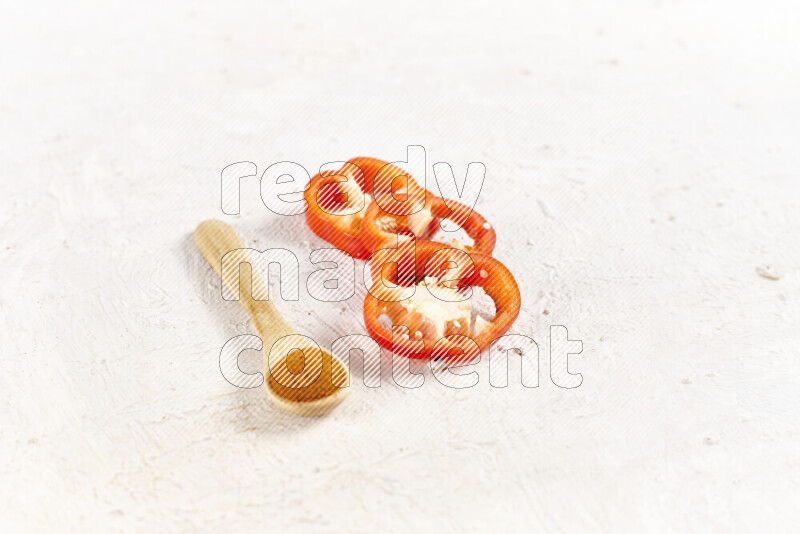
(642, 163)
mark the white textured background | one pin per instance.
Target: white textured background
(642, 162)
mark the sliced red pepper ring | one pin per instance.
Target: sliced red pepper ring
(401, 260)
(333, 214)
(381, 177)
(392, 188)
(380, 228)
(370, 168)
(334, 199)
(415, 334)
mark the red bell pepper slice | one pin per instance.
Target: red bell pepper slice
(334, 196)
(332, 199)
(380, 176)
(380, 228)
(430, 259)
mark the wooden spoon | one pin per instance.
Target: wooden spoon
(298, 375)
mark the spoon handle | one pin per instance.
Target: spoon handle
(215, 239)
